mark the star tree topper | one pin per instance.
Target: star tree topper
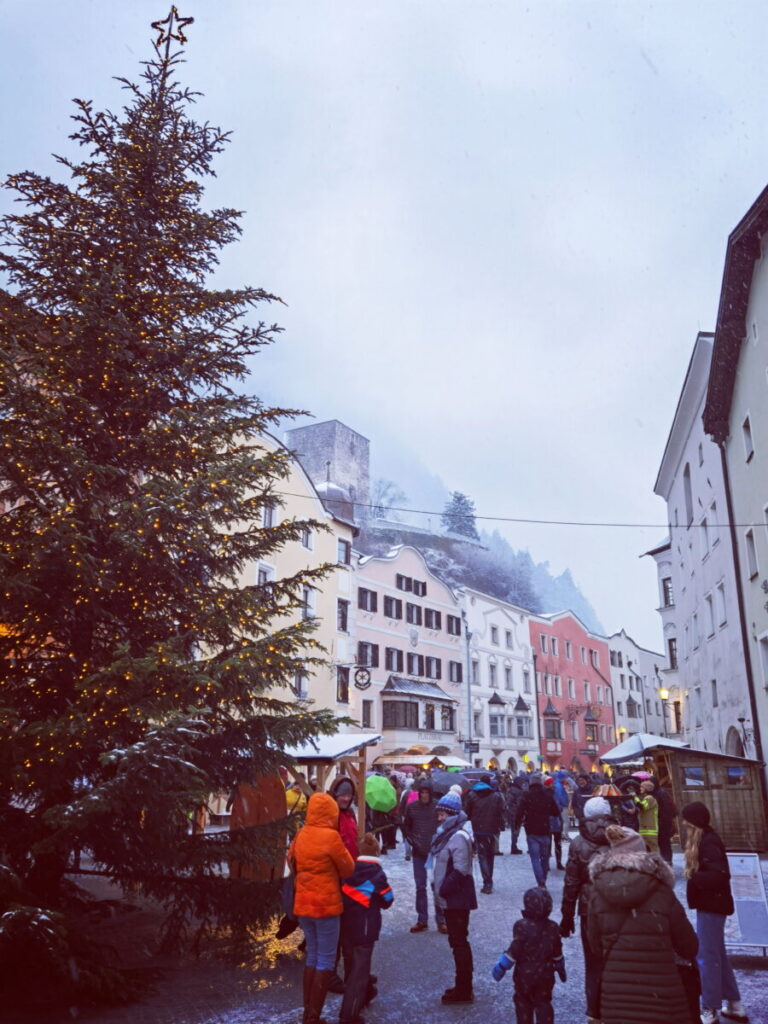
(170, 28)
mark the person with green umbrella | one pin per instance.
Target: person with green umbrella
(381, 797)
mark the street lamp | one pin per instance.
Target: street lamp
(664, 697)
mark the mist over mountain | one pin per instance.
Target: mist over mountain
(400, 479)
(407, 501)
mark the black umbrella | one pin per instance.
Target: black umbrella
(442, 781)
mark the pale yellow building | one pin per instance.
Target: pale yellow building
(329, 600)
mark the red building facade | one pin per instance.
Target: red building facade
(574, 693)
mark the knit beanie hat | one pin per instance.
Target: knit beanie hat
(597, 807)
(538, 903)
(646, 786)
(456, 788)
(696, 814)
(625, 840)
(450, 803)
(536, 779)
(369, 845)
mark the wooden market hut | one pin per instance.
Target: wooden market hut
(344, 751)
(262, 800)
(729, 786)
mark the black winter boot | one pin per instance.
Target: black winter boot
(455, 995)
(317, 997)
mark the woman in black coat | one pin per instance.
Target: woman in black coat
(638, 926)
(709, 894)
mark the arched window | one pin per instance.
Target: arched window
(733, 743)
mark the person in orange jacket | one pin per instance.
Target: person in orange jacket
(319, 860)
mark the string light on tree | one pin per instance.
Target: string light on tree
(134, 668)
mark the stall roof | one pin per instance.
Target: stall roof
(450, 761)
(415, 688)
(414, 759)
(331, 748)
(632, 747)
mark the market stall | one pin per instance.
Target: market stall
(729, 786)
(343, 753)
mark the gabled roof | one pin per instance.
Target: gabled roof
(496, 699)
(589, 715)
(742, 251)
(415, 688)
(623, 633)
(688, 405)
(663, 545)
(550, 709)
(393, 553)
(551, 616)
(520, 705)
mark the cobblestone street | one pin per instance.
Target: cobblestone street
(413, 970)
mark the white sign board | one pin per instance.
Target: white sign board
(750, 927)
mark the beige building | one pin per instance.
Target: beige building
(330, 601)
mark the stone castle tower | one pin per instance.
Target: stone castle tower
(333, 453)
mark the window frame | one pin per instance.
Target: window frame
(413, 613)
(367, 600)
(342, 615)
(453, 625)
(342, 684)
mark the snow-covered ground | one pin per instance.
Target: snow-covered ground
(413, 970)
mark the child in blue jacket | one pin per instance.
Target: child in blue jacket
(365, 893)
(536, 952)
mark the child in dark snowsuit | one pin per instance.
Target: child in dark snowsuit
(536, 952)
(365, 893)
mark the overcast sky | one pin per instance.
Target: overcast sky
(498, 226)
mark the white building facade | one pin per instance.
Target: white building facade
(736, 417)
(636, 675)
(670, 691)
(705, 667)
(500, 696)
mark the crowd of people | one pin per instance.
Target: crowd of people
(643, 960)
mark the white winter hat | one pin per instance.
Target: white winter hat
(597, 807)
(456, 788)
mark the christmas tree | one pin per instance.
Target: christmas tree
(137, 676)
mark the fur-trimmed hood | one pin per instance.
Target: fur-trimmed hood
(627, 879)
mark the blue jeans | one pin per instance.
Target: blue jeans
(538, 850)
(322, 935)
(422, 904)
(717, 980)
